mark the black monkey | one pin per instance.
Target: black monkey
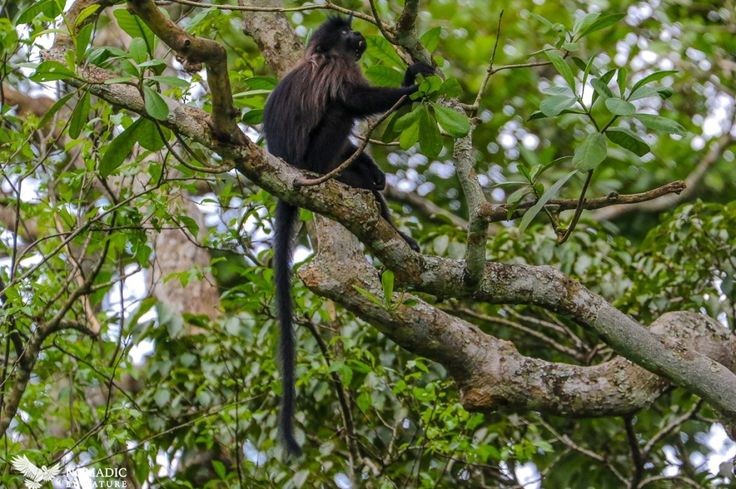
(307, 122)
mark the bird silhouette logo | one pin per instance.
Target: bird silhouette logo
(35, 476)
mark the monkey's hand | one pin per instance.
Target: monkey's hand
(417, 69)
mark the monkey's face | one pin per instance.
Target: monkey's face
(336, 38)
(354, 42)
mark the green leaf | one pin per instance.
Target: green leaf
(453, 122)
(155, 104)
(642, 92)
(430, 139)
(138, 50)
(656, 76)
(261, 83)
(562, 68)
(590, 69)
(579, 63)
(50, 8)
(548, 24)
(383, 76)
(618, 106)
(555, 104)
(546, 197)
(253, 116)
(659, 123)
(627, 140)
(119, 149)
(541, 115)
(429, 85)
(382, 50)
(582, 23)
(79, 116)
(664, 93)
(591, 152)
(451, 88)
(621, 76)
(86, 12)
(408, 119)
(219, 469)
(134, 27)
(387, 281)
(149, 136)
(162, 397)
(82, 40)
(602, 23)
(52, 71)
(513, 200)
(600, 85)
(172, 81)
(601, 89)
(409, 136)
(431, 38)
(558, 90)
(55, 108)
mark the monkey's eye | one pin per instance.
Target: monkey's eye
(344, 32)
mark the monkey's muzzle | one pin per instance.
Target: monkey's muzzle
(359, 44)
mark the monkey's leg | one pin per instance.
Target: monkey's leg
(362, 172)
(386, 213)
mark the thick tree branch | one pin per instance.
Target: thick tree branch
(406, 32)
(271, 31)
(490, 372)
(550, 288)
(475, 199)
(194, 51)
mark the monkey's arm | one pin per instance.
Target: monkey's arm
(363, 101)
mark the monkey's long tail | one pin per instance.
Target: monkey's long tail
(286, 216)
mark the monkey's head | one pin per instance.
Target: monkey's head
(336, 37)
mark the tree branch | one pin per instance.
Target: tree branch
(671, 200)
(194, 51)
(501, 212)
(491, 373)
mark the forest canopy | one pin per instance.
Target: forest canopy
(568, 322)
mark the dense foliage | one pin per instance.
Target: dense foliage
(622, 97)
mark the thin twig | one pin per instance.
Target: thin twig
(670, 427)
(489, 71)
(501, 213)
(578, 209)
(636, 455)
(390, 37)
(302, 8)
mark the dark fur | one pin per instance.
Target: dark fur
(308, 119)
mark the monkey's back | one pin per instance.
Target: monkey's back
(306, 100)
